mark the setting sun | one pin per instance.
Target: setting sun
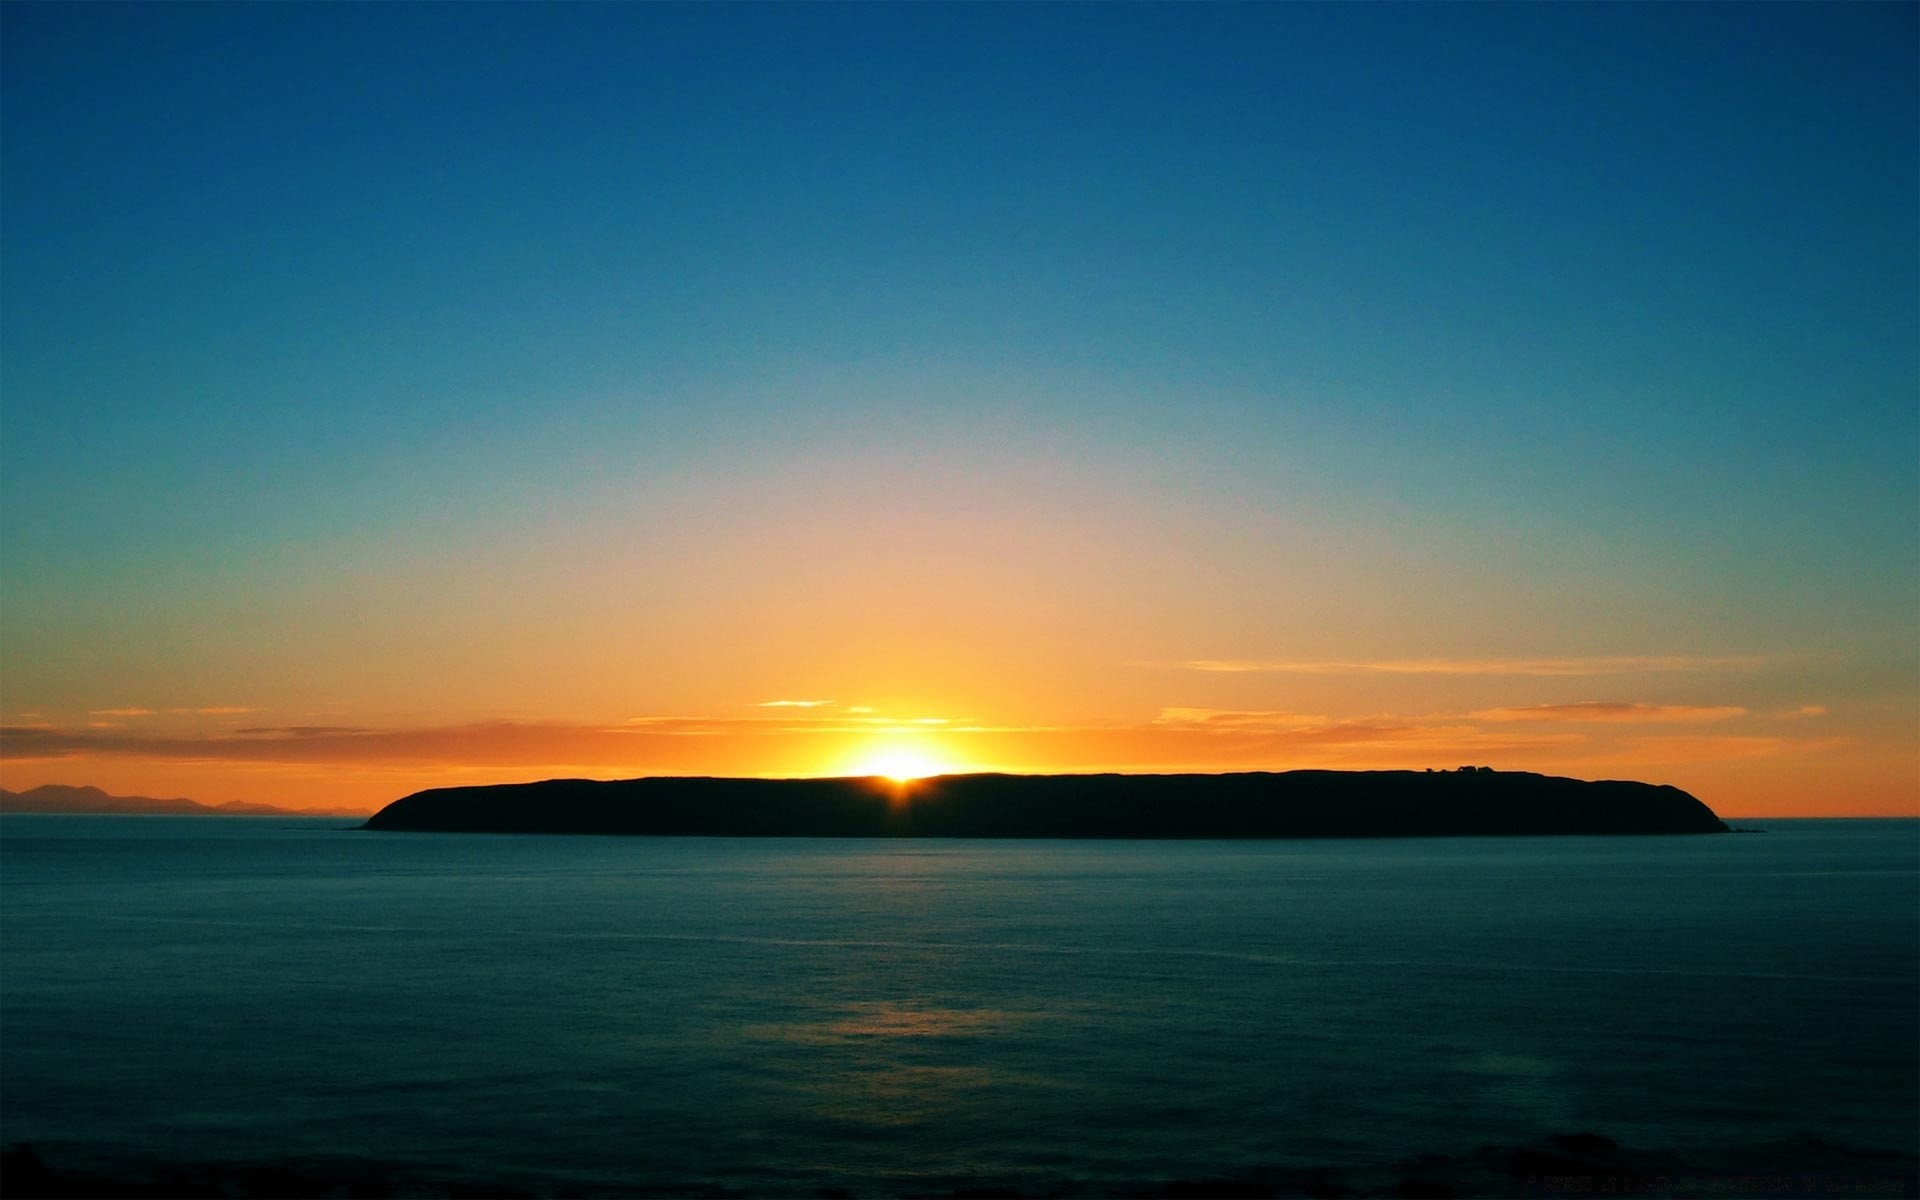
(902, 764)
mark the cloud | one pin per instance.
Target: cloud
(1596, 710)
(694, 726)
(1805, 710)
(498, 743)
(215, 710)
(1427, 738)
(1472, 666)
(796, 723)
(794, 704)
(1223, 719)
(655, 744)
(1550, 737)
(713, 743)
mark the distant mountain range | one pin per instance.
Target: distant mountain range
(60, 798)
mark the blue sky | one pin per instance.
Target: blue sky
(1613, 306)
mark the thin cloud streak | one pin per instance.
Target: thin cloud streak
(510, 743)
(1615, 712)
(1539, 667)
(805, 723)
(131, 712)
(1225, 719)
(1548, 737)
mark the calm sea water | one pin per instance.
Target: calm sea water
(791, 1015)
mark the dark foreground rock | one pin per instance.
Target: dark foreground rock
(1468, 802)
(1570, 1165)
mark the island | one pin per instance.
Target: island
(1469, 802)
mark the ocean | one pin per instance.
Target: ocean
(817, 1017)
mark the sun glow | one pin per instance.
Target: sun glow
(901, 764)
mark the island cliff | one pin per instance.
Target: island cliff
(1468, 802)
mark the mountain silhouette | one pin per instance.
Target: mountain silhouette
(64, 798)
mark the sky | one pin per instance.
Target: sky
(395, 396)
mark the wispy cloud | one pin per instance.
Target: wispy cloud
(801, 722)
(699, 745)
(214, 710)
(1426, 738)
(671, 726)
(1552, 737)
(1549, 667)
(1224, 719)
(490, 744)
(1597, 710)
(794, 704)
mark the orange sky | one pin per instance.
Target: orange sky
(1743, 761)
(1030, 609)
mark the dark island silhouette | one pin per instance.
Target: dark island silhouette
(1472, 801)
